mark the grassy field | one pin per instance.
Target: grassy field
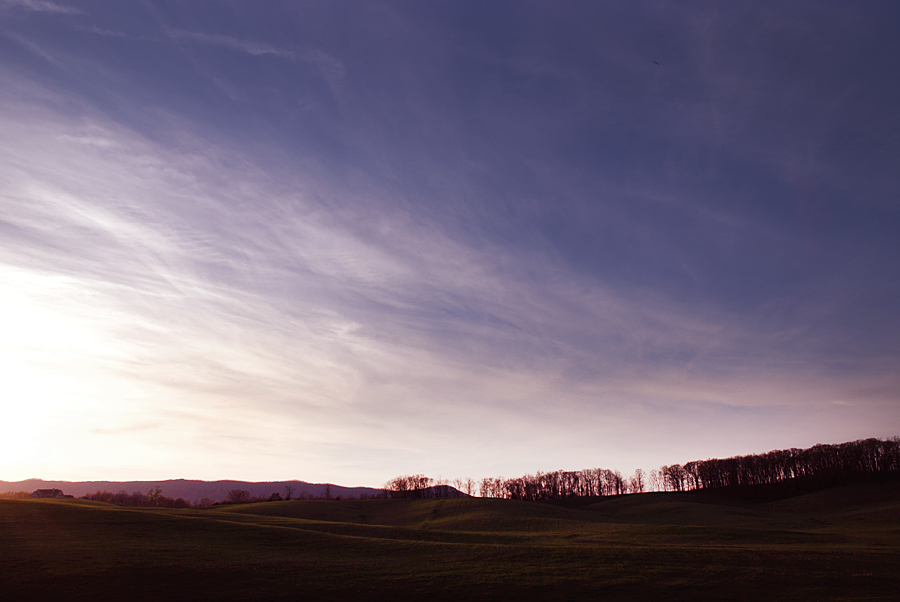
(841, 544)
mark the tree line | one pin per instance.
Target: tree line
(152, 499)
(562, 484)
(15, 495)
(814, 467)
(421, 487)
(155, 498)
(819, 466)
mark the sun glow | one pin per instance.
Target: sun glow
(49, 378)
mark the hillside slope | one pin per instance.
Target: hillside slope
(643, 547)
(190, 490)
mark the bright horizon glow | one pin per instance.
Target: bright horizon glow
(464, 242)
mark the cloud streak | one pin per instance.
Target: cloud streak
(44, 6)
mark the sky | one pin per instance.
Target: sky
(345, 241)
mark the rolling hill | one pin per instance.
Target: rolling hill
(190, 490)
(835, 544)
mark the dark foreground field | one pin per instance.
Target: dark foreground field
(841, 544)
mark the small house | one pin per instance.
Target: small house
(48, 493)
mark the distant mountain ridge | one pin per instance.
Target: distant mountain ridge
(190, 490)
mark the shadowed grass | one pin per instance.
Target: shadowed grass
(654, 546)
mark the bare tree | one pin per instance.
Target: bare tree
(237, 496)
(288, 491)
(654, 480)
(638, 481)
(154, 496)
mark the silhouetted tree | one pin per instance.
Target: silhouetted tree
(154, 496)
(638, 480)
(413, 486)
(238, 496)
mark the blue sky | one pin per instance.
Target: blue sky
(342, 241)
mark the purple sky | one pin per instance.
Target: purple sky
(342, 241)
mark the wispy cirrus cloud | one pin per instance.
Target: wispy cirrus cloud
(44, 6)
(332, 68)
(250, 47)
(533, 257)
(227, 306)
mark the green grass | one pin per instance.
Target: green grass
(836, 545)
